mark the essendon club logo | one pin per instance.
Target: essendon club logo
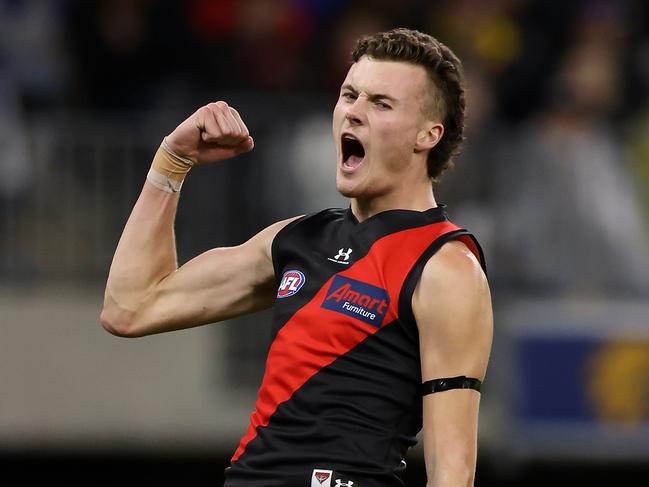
(357, 299)
(321, 478)
(291, 283)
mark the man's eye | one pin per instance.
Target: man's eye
(349, 96)
(383, 105)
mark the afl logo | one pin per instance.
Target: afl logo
(291, 283)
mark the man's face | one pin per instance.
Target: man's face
(376, 123)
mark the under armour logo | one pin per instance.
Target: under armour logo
(340, 483)
(342, 254)
(341, 257)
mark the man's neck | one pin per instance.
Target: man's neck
(416, 200)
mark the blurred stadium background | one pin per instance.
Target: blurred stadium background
(554, 180)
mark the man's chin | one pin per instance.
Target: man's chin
(347, 191)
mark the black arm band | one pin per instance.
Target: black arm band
(460, 382)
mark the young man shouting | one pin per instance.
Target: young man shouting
(382, 318)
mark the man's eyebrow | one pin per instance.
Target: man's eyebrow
(370, 96)
(381, 96)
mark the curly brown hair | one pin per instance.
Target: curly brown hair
(445, 72)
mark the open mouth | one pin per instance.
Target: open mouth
(352, 150)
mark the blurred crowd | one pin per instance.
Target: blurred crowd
(554, 176)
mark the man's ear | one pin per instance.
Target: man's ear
(429, 136)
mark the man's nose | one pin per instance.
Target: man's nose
(354, 114)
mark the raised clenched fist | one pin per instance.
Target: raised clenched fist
(213, 133)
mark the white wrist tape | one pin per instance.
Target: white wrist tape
(184, 159)
(168, 169)
(163, 182)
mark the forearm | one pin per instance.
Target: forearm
(452, 477)
(146, 253)
(450, 437)
(451, 461)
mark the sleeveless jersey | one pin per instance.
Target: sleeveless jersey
(340, 400)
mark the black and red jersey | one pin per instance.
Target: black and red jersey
(340, 400)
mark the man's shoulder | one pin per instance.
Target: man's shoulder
(307, 226)
(317, 218)
(454, 268)
(327, 214)
(453, 296)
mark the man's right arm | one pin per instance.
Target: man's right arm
(146, 292)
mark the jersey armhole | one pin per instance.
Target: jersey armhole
(406, 314)
(277, 268)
